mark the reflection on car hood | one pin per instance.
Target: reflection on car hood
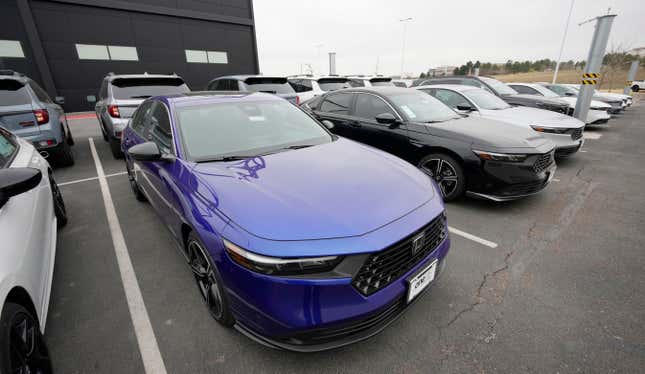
(339, 189)
(532, 116)
(491, 135)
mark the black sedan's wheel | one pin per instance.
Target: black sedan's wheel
(448, 174)
(59, 203)
(136, 190)
(208, 281)
(22, 347)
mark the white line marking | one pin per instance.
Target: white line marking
(472, 237)
(556, 180)
(90, 179)
(592, 135)
(150, 355)
(583, 151)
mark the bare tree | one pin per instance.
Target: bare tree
(614, 65)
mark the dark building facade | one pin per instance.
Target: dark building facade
(68, 46)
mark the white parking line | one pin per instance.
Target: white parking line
(472, 237)
(90, 179)
(592, 135)
(148, 347)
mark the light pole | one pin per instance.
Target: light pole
(405, 24)
(564, 38)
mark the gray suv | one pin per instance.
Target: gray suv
(120, 95)
(27, 111)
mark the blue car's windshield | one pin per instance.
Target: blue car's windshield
(215, 131)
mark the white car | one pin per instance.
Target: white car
(565, 131)
(31, 209)
(369, 81)
(308, 86)
(618, 102)
(638, 85)
(598, 111)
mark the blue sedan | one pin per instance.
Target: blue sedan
(298, 238)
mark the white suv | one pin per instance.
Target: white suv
(638, 85)
(307, 86)
(369, 81)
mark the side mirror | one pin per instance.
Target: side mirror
(465, 108)
(386, 118)
(328, 124)
(60, 100)
(148, 151)
(15, 181)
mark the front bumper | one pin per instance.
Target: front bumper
(114, 126)
(597, 117)
(313, 314)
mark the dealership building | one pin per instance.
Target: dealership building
(68, 46)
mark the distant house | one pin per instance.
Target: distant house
(441, 71)
(640, 52)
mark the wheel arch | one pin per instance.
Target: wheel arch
(434, 149)
(19, 295)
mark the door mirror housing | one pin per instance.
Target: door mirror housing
(15, 181)
(465, 108)
(386, 118)
(60, 100)
(328, 124)
(149, 151)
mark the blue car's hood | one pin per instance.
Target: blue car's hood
(339, 189)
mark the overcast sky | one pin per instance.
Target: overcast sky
(441, 32)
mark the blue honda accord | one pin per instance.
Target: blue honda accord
(298, 238)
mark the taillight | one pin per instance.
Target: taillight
(114, 111)
(42, 116)
(297, 100)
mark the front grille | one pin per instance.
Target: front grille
(384, 267)
(347, 330)
(523, 188)
(565, 152)
(576, 134)
(543, 162)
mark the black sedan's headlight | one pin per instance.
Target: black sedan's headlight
(550, 130)
(507, 157)
(280, 266)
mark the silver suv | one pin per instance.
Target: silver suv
(120, 95)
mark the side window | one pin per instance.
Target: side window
(470, 82)
(451, 98)
(159, 128)
(337, 104)
(140, 118)
(370, 106)
(301, 85)
(223, 85)
(8, 148)
(525, 90)
(40, 93)
(356, 83)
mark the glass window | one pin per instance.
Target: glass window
(245, 128)
(13, 92)
(562, 90)
(196, 56)
(333, 84)
(524, 89)
(123, 53)
(11, 48)
(378, 82)
(92, 52)
(421, 107)
(215, 57)
(270, 85)
(40, 93)
(499, 87)
(159, 131)
(301, 85)
(486, 100)
(370, 106)
(138, 123)
(337, 104)
(356, 83)
(545, 91)
(143, 88)
(451, 98)
(8, 148)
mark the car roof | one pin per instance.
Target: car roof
(454, 87)
(112, 76)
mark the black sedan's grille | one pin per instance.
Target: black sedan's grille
(576, 134)
(523, 188)
(384, 267)
(543, 162)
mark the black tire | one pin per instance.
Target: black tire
(70, 138)
(447, 172)
(209, 282)
(22, 347)
(134, 185)
(635, 88)
(59, 204)
(115, 147)
(103, 132)
(64, 156)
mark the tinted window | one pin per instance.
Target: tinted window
(333, 84)
(499, 87)
(370, 106)
(269, 85)
(301, 85)
(524, 90)
(13, 92)
(139, 119)
(562, 90)
(224, 85)
(7, 148)
(400, 84)
(160, 132)
(39, 92)
(451, 98)
(356, 83)
(141, 88)
(247, 128)
(337, 104)
(486, 100)
(421, 107)
(381, 82)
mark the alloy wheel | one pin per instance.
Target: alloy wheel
(443, 173)
(205, 278)
(28, 352)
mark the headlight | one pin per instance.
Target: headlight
(490, 156)
(280, 266)
(550, 130)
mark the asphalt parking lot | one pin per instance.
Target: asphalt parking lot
(552, 283)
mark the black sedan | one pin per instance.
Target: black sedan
(484, 158)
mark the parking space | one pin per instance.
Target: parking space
(552, 283)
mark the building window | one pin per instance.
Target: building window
(206, 57)
(11, 48)
(106, 52)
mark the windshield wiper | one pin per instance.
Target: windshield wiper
(223, 159)
(141, 97)
(299, 146)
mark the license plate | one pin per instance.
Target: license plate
(421, 280)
